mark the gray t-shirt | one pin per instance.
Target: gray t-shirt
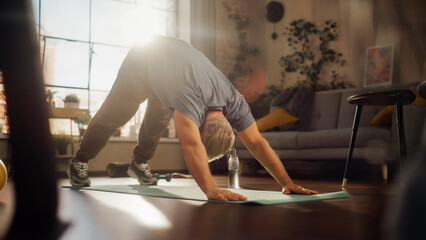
(185, 80)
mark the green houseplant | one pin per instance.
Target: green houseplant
(50, 97)
(311, 51)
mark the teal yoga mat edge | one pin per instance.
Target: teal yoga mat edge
(300, 198)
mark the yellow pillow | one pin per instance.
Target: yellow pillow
(419, 101)
(275, 118)
(383, 117)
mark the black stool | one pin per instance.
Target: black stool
(380, 98)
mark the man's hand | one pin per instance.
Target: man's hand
(294, 188)
(263, 152)
(224, 195)
(196, 159)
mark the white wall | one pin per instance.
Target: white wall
(361, 24)
(168, 156)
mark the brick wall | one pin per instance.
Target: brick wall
(226, 34)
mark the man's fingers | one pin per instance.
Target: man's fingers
(308, 191)
(286, 191)
(298, 189)
(241, 198)
(312, 192)
(236, 197)
(223, 198)
(225, 195)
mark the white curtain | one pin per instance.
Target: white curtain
(203, 29)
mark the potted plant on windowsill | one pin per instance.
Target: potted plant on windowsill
(50, 95)
(71, 101)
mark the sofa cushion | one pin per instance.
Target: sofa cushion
(278, 117)
(347, 110)
(282, 140)
(325, 110)
(374, 154)
(383, 117)
(335, 138)
(298, 102)
(277, 140)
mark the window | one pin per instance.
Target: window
(83, 43)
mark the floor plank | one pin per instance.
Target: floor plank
(103, 215)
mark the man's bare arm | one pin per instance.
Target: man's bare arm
(196, 159)
(263, 152)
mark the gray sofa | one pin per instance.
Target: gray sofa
(327, 133)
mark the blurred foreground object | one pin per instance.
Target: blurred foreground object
(3, 175)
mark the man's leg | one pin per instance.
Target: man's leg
(113, 114)
(154, 124)
(128, 92)
(119, 107)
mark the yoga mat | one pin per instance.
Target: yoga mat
(195, 193)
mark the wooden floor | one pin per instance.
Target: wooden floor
(101, 215)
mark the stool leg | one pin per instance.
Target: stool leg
(401, 131)
(385, 172)
(352, 143)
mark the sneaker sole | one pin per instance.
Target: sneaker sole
(133, 175)
(74, 183)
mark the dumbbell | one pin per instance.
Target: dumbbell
(168, 177)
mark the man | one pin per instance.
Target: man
(179, 82)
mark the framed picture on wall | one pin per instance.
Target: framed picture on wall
(378, 65)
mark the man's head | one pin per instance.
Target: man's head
(216, 134)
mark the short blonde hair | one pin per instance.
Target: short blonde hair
(217, 136)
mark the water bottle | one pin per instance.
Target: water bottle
(233, 166)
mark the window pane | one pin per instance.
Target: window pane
(131, 128)
(61, 93)
(129, 24)
(65, 19)
(169, 5)
(170, 22)
(66, 63)
(112, 22)
(106, 61)
(35, 5)
(150, 21)
(96, 100)
(115, 26)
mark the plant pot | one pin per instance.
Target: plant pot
(71, 105)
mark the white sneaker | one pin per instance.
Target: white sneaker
(142, 173)
(77, 173)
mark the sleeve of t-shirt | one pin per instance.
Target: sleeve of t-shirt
(190, 106)
(239, 114)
